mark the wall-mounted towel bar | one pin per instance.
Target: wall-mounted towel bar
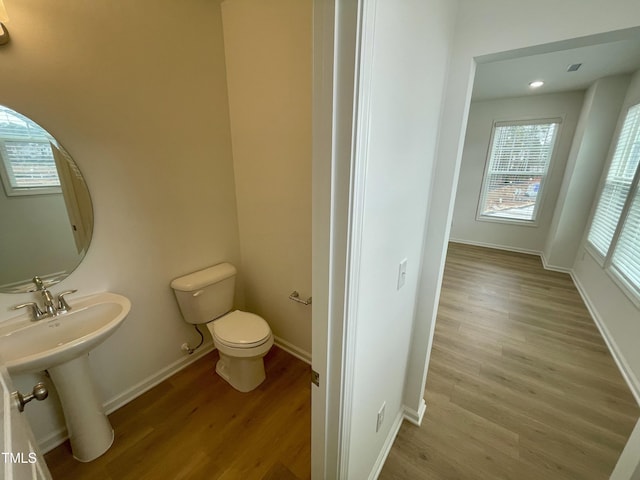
(295, 296)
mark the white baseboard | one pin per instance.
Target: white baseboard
(386, 448)
(496, 247)
(52, 440)
(623, 366)
(409, 414)
(413, 416)
(545, 264)
(56, 438)
(554, 268)
(148, 383)
(292, 349)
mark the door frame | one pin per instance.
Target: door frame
(335, 46)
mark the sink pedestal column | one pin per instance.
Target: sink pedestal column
(89, 429)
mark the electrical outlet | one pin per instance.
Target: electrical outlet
(402, 273)
(380, 416)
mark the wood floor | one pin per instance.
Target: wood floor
(520, 384)
(195, 426)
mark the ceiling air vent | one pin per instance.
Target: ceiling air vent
(573, 67)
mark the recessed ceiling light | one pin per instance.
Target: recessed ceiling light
(536, 84)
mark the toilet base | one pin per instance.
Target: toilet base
(243, 374)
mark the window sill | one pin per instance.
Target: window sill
(618, 280)
(508, 221)
(22, 192)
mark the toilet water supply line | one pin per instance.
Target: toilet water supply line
(185, 346)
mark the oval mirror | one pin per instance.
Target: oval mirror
(45, 207)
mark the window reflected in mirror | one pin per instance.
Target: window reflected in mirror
(45, 206)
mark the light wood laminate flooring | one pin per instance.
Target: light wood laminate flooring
(195, 426)
(520, 384)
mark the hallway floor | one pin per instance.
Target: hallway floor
(521, 385)
(195, 426)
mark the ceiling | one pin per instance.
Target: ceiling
(510, 77)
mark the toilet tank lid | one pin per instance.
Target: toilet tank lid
(203, 278)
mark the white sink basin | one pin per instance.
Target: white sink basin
(61, 345)
(29, 346)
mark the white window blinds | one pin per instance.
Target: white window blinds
(27, 165)
(615, 227)
(517, 166)
(617, 184)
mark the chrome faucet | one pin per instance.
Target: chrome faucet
(52, 308)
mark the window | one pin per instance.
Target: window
(516, 170)
(626, 257)
(27, 165)
(615, 228)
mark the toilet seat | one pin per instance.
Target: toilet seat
(240, 330)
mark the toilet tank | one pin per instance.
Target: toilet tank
(206, 294)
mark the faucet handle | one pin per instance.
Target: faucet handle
(35, 310)
(63, 306)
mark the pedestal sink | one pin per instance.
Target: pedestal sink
(61, 345)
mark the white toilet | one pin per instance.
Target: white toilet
(242, 338)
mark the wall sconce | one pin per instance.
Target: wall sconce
(4, 33)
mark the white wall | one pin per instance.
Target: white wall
(612, 308)
(28, 222)
(136, 92)
(597, 122)
(268, 53)
(401, 84)
(482, 115)
(487, 27)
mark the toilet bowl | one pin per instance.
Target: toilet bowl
(242, 338)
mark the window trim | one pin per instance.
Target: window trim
(625, 286)
(634, 192)
(631, 291)
(542, 191)
(12, 191)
